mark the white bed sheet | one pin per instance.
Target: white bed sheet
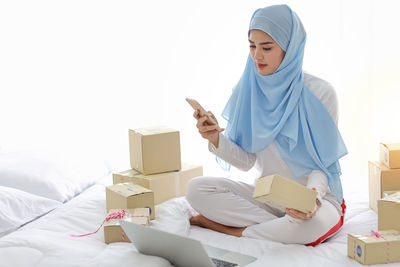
(46, 241)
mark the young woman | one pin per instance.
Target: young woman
(280, 121)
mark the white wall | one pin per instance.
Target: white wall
(83, 72)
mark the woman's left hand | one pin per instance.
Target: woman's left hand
(302, 215)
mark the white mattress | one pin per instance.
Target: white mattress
(46, 241)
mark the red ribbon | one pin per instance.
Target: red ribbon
(120, 214)
(378, 235)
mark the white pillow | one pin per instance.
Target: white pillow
(18, 207)
(56, 175)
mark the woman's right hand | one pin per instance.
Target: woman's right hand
(207, 131)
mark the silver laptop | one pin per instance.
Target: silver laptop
(181, 251)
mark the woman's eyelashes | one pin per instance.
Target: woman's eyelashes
(264, 48)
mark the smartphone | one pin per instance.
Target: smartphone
(196, 106)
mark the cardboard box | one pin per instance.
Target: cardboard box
(129, 196)
(164, 185)
(282, 193)
(389, 212)
(381, 179)
(154, 150)
(112, 229)
(390, 155)
(368, 249)
(188, 172)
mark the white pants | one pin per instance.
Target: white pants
(231, 203)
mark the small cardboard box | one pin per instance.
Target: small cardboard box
(368, 249)
(164, 185)
(381, 179)
(129, 196)
(155, 150)
(282, 193)
(112, 229)
(389, 212)
(390, 155)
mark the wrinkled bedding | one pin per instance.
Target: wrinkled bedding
(47, 242)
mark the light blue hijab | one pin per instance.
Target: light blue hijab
(279, 107)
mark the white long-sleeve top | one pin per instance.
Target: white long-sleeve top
(269, 161)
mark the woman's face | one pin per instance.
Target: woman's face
(266, 54)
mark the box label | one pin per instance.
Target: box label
(359, 251)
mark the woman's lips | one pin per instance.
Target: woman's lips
(261, 66)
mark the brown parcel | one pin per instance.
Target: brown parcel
(164, 185)
(389, 212)
(390, 155)
(381, 179)
(112, 229)
(154, 150)
(368, 249)
(129, 196)
(283, 193)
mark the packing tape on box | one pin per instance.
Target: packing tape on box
(378, 235)
(355, 249)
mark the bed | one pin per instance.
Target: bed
(45, 240)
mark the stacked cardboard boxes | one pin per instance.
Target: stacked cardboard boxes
(157, 173)
(164, 185)
(384, 197)
(155, 157)
(385, 185)
(384, 175)
(134, 202)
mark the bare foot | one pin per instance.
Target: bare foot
(197, 220)
(200, 220)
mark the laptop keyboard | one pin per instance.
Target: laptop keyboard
(221, 263)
